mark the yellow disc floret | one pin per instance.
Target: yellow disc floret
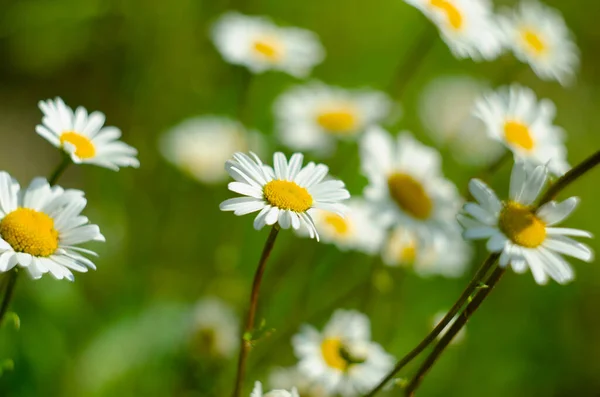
(29, 231)
(331, 348)
(287, 195)
(267, 48)
(533, 42)
(337, 223)
(453, 15)
(517, 134)
(340, 121)
(521, 225)
(84, 148)
(410, 195)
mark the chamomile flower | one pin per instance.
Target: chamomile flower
(526, 236)
(260, 45)
(445, 110)
(342, 358)
(199, 146)
(445, 253)
(313, 116)
(513, 116)
(215, 330)
(406, 184)
(468, 27)
(538, 35)
(356, 230)
(283, 194)
(40, 228)
(83, 136)
(258, 392)
(287, 378)
(458, 338)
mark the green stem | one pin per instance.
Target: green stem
(60, 169)
(8, 293)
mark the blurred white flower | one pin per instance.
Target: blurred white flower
(215, 329)
(342, 358)
(525, 236)
(83, 136)
(445, 109)
(313, 116)
(200, 146)
(458, 338)
(260, 45)
(287, 378)
(406, 184)
(446, 254)
(41, 227)
(257, 392)
(468, 27)
(282, 194)
(513, 116)
(538, 35)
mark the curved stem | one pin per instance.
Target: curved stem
(469, 290)
(454, 329)
(246, 341)
(8, 293)
(60, 169)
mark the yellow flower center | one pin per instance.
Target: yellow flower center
(337, 223)
(408, 253)
(533, 42)
(521, 225)
(410, 195)
(267, 48)
(286, 195)
(29, 231)
(453, 16)
(84, 148)
(340, 121)
(517, 134)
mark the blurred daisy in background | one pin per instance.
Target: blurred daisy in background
(468, 27)
(40, 228)
(406, 184)
(282, 194)
(258, 392)
(538, 35)
(445, 109)
(458, 338)
(311, 117)
(356, 230)
(199, 146)
(524, 234)
(342, 358)
(513, 116)
(215, 329)
(287, 378)
(446, 254)
(83, 136)
(260, 45)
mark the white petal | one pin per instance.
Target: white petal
(478, 233)
(496, 243)
(565, 231)
(280, 164)
(567, 246)
(485, 196)
(285, 221)
(259, 221)
(480, 214)
(534, 185)
(537, 266)
(552, 212)
(272, 216)
(246, 190)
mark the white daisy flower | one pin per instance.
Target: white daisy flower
(287, 378)
(525, 236)
(468, 27)
(458, 338)
(356, 230)
(445, 254)
(215, 329)
(342, 358)
(257, 392)
(200, 145)
(40, 228)
(84, 137)
(313, 116)
(538, 35)
(260, 45)
(445, 110)
(406, 184)
(282, 194)
(513, 116)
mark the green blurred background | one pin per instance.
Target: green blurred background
(120, 331)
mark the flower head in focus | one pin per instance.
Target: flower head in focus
(258, 392)
(215, 329)
(311, 117)
(538, 35)
(524, 234)
(342, 358)
(260, 45)
(83, 136)
(513, 116)
(41, 227)
(288, 378)
(283, 194)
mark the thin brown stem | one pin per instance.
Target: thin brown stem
(466, 294)
(460, 322)
(8, 293)
(246, 340)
